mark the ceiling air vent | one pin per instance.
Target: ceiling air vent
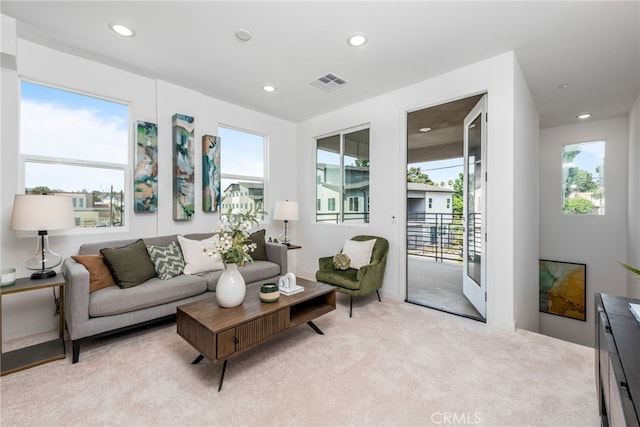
(329, 82)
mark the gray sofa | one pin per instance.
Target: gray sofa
(114, 309)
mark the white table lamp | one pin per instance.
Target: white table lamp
(42, 214)
(286, 211)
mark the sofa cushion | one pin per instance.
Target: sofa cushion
(259, 253)
(99, 274)
(114, 300)
(251, 272)
(167, 260)
(196, 260)
(130, 265)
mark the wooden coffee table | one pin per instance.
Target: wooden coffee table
(220, 333)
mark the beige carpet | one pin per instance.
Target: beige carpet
(393, 363)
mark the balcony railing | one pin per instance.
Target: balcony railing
(435, 235)
(334, 217)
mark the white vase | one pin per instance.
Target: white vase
(231, 287)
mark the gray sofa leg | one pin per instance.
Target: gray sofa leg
(76, 350)
(378, 295)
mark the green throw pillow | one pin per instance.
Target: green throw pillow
(168, 260)
(129, 265)
(260, 252)
(341, 261)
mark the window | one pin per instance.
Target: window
(353, 204)
(430, 202)
(448, 203)
(583, 178)
(76, 145)
(242, 169)
(318, 204)
(342, 173)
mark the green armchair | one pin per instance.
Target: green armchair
(358, 282)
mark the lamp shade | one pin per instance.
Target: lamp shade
(286, 210)
(36, 212)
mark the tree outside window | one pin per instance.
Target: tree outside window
(583, 178)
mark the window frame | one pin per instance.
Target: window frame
(239, 177)
(342, 210)
(599, 210)
(126, 168)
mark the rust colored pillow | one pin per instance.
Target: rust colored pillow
(99, 274)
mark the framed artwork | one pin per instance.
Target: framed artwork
(563, 289)
(183, 167)
(210, 173)
(145, 181)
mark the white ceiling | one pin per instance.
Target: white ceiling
(594, 47)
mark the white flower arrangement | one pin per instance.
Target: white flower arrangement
(234, 246)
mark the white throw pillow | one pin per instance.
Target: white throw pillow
(196, 261)
(359, 252)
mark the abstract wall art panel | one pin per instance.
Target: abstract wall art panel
(183, 167)
(563, 289)
(210, 173)
(145, 181)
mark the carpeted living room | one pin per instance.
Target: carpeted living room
(218, 197)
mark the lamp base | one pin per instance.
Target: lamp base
(45, 274)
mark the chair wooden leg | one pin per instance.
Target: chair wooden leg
(378, 293)
(350, 305)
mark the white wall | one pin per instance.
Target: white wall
(150, 100)
(387, 117)
(526, 196)
(633, 243)
(597, 241)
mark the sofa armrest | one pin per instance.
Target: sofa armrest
(277, 253)
(76, 298)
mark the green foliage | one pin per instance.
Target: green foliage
(577, 206)
(579, 180)
(569, 156)
(361, 163)
(415, 174)
(631, 269)
(458, 196)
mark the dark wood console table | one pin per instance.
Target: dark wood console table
(617, 361)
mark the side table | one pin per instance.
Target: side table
(34, 355)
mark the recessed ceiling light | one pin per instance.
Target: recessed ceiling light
(243, 34)
(584, 116)
(424, 129)
(357, 40)
(122, 30)
(269, 88)
(563, 86)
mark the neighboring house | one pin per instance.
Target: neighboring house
(95, 209)
(356, 193)
(243, 195)
(428, 199)
(429, 222)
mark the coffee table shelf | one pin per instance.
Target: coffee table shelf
(306, 311)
